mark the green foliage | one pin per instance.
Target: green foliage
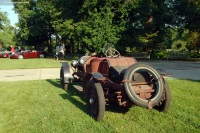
(130, 51)
(188, 14)
(97, 30)
(194, 55)
(6, 32)
(179, 45)
(161, 54)
(194, 40)
(85, 26)
(7, 36)
(4, 21)
(35, 27)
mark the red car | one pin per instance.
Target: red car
(5, 54)
(28, 54)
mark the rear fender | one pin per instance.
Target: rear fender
(66, 71)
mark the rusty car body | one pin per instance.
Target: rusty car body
(116, 79)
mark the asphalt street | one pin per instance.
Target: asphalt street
(178, 69)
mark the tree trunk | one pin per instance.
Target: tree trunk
(50, 50)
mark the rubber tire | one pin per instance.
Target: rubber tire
(164, 106)
(132, 95)
(41, 55)
(99, 100)
(64, 85)
(20, 57)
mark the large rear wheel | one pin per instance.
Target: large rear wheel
(165, 102)
(143, 85)
(95, 100)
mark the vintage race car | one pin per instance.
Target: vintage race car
(28, 54)
(116, 79)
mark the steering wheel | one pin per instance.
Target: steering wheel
(112, 52)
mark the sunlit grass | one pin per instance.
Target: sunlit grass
(6, 63)
(42, 106)
(50, 62)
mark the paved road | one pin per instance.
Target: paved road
(178, 69)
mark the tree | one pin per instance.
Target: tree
(194, 40)
(188, 14)
(146, 27)
(6, 31)
(34, 24)
(3, 20)
(85, 26)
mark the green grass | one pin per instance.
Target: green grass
(6, 63)
(42, 106)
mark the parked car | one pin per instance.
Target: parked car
(5, 54)
(28, 54)
(116, 79)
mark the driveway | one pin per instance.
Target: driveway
(178, 69)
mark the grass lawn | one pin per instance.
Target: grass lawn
(42, 106)
(6, 63)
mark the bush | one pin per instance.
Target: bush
(130, 50)
(160, 54)
(194, 55)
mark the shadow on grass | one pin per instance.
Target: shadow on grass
(198, 81)
(69, 95)
(117, 109)
(74, 90)
(54, 83)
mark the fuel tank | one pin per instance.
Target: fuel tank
(112, 68)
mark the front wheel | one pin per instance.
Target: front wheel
(63, 84)
(95, 100)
